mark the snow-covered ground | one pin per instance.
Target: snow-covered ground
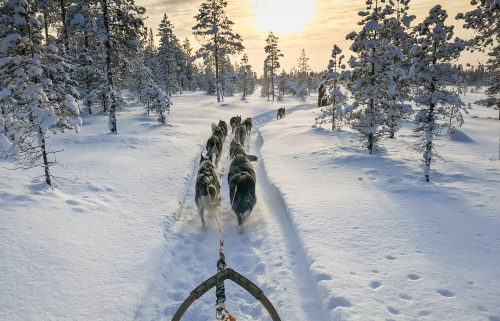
(336, 234)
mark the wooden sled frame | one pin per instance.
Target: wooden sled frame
(227, 274)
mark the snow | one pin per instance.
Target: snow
(336, 234)
(9, 41)
(5, 145)
(78, 19)
(44, 118)
(371, 25)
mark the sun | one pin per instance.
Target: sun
(283, 16)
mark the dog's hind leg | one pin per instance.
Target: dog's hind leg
(201, 210)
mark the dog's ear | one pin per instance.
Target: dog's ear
(209, 156)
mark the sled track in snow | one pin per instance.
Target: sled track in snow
(268, 253)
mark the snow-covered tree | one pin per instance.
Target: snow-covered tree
(372, 76)
(245, 77)
(36, 82)
(89, 78)
(122, 27)
(303, 68)
(334, 94)
(432, 71)
(484, 20)
(271, 63)
(167, 57)
(190, 67)
(215, 34)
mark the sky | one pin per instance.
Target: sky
(313, 25)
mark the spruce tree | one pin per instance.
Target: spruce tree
(215, 34)
(122, 27)
(372, 77)
(333, 78)
(432, 72)
(37, 84)
(167, 56)
(245, 77)
(303, 68)
(484, 20)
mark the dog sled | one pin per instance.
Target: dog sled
(218, 281)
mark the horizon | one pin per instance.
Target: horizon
(314, 24)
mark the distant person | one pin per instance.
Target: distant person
(321, 92)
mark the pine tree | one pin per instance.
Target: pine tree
(484, 20)
(121, 27)
(336, 97)
(245, 77)
(271, 64)
(214, 32)
(372, 77)
(190, 68)
(303, 69)
(432, 71)
(37, 83)
(166, 56)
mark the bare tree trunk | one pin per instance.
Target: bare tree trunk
(109, 75)
(46, 25)
(64, 30)
(45, 161)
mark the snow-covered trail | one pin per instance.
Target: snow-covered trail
(268, 253)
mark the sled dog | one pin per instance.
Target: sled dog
(214, 148)
(208, 186)
(234, 122)
(236, 149)
(241, 180)
(248, 125)
(281, 113)
(223, 126)
(240, 133)
(219, 132)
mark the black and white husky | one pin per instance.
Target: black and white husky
(214, 148)
(207, 188)
(241, 179)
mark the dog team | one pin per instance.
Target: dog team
(241, 177)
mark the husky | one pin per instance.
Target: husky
(240, 134)
(207, 188)
(236, 149)
(248, 125)
(214, 148)
(234, 122)
(222, 125)
(219, 132)
(241, 180)
(281, 113)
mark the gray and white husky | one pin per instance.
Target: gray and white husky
(214, 148)
(236, 149)
(207, 188)
(248, 125)
(240, 133)
(241, 180)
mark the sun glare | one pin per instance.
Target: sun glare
(283, 16)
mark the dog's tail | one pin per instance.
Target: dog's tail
(252, 158)
(212, 193)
